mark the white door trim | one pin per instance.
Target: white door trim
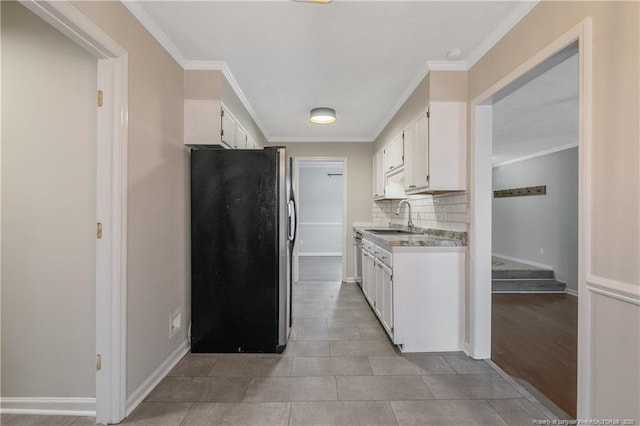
(479, 282)
(296, 176)
(111, 200)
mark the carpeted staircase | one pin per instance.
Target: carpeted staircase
(515, 277)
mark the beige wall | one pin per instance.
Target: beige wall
(157, 252)
(203, 84)
(359, 180)
(615, 333)
(48, 210)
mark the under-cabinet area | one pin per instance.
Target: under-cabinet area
(413, 280)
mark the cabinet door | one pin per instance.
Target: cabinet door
(379, 302)
(241, 138)
(228, 132)
(378, 174)
(420, 153)
(394, 152)
(367, 276)
(387, 297)
(409, 156)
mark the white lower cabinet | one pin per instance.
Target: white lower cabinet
(417, 293)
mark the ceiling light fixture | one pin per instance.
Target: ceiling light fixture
(323, 115)
(454, 54)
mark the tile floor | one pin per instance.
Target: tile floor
(338, 369)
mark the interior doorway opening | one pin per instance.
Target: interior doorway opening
(320, 192)
(535, 232)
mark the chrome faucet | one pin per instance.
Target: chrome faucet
(409, 223)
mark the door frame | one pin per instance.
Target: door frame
(478, 343)
(296, 186)
(111, 200)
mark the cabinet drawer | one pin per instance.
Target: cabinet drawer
(385, 257)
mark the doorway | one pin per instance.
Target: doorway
(320, 192)
(535, 233)
(481, 194)
(105, 203)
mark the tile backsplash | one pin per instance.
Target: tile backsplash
(444, 211)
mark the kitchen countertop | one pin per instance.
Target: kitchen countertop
(425, 238)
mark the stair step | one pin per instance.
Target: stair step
(522, 274)
(542, 285)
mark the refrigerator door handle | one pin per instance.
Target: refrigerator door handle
(293, 213)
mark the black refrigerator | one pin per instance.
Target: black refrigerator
(243, 226)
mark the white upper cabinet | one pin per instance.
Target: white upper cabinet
(241, 138)
(209, 122)
(394, 153)
(436, 159)
(378, 175)
(229, 127)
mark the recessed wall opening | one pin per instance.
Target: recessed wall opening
(320, 229)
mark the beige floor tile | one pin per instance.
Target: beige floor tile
(373, 333)
(328, 334)
(223, 389)
(470, 386)
(353, 322)
(33, 420)
(310, 323)
(252, 367)
(178, 389)
(240, 414)
(444, 413)
(361, 348)
(331, 366)
(342, 413)
(517, 411)
(381, 388)
(409, 365)
(462, 364)
(194, 366)
(305, 349)
(282, 389)
(84, 421)
(158, 414)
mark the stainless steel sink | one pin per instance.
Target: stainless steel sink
(391, 232)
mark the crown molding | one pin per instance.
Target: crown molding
(151, 25)
(316, 139)
(420, 75)
(447, 66)
(463, 65)
(500, 31)
(536, 155)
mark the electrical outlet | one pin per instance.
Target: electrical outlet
(541, 251)
(175, 322)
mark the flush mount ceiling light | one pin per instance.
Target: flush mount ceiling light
(323, 115)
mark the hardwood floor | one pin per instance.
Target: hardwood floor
(534, 338)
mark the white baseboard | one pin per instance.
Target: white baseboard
(526, 262)
(350, 280)
(571, 291)
(321, 254)
(49, 406)
(160, 373)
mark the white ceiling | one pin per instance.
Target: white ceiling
(362, 58)
(539, 117)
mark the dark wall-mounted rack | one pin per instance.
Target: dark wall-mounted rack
(520, 192)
